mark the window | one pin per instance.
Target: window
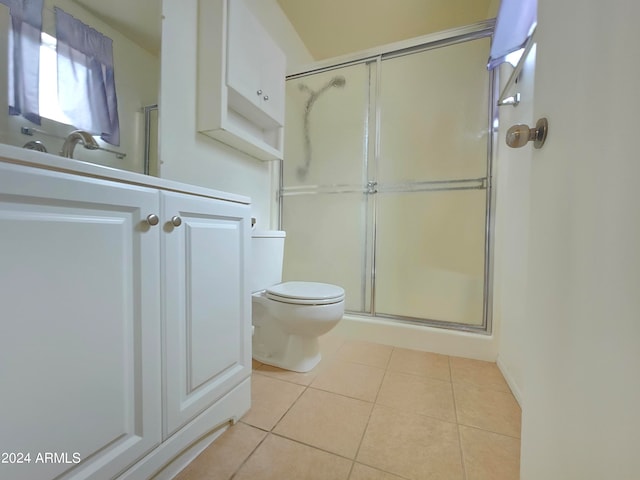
(69, 79)
(48, 99)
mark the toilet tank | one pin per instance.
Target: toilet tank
(267, 254)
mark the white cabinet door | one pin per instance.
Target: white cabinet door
(206, 313)
(273, 68)
(244, 52)
(256, 68)
(80, 336)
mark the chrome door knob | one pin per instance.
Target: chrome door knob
(519, 135)
(152, 219)
(176, 221)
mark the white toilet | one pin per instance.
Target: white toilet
(288, 317)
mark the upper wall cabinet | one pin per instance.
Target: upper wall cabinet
(241, 75)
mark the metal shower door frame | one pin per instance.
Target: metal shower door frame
(373, 60)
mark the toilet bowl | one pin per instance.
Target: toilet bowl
(288, 317)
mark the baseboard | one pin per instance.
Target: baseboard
(515, 389)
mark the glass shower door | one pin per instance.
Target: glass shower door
(384, 187)
(432, 178)
(324, 206)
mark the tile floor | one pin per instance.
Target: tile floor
(371, 412)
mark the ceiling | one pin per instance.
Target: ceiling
(331, 28)
(328, 28)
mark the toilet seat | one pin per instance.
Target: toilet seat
(305, 293)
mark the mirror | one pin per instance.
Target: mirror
(135, 30)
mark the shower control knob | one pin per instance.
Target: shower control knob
(266, 97)
(176, 221)
(259, 92)
(152, 219)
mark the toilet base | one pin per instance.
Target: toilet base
(301, 354)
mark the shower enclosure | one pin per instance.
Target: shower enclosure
(385, 186)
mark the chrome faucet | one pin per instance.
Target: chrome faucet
(72, 140)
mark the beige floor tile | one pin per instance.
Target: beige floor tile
(255, 364)
(330, 343)
(327, 421)
(279, 459)
(350, 379)
(225, 455)
(424, 364)
(270, 400)
(372, 354)
(422, 395)
(487, 409)
(489, 456)
(477, 372)
(288, 375)
(412, 446)
(363, 472)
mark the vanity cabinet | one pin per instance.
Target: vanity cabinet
(125, 322)
(206, 347)
(241, 80)
(80, 345)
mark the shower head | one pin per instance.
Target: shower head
(338, 81)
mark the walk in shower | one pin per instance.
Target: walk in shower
(385, 187)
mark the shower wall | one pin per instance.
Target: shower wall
(385, 193)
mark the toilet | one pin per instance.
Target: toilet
(288, 317)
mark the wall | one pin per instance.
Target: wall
(278, 25)
(194, 158)
(582, 328)
(137, 74)
(511, 180)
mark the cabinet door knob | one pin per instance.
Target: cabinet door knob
(176, 221)
(259, 92)
(152, 219)
(266, 97)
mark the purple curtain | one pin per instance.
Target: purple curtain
(514, 25)
(24, 58)
(86, 82)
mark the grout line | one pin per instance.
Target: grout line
(279, 435)
(464, 466)
(248, 457)
(288, 409)
(453, 391)
(375, 402)
(455, 409)
(353, 464)
(489, 431)
(377, 469)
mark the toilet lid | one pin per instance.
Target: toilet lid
(306, 293)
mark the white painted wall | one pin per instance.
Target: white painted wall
(511, 180)
(283, 33)
(582, 328)
(190, 157)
